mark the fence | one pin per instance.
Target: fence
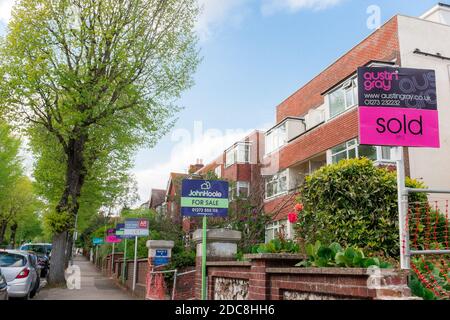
(426, 242)
(180, 287)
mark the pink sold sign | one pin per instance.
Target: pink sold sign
(398, 107)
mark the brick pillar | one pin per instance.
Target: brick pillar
(259, 282)
(389, 284)
(159, 254)
(258, 286)
(221, 245)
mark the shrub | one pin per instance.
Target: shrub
(335, 256)
(277, 246)
(353, 203)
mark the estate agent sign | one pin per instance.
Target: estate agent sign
(204, 198)
(136, 227)
(111, 236)
(398, 107)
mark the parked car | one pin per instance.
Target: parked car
(43, 252)
(3, 287)
(21, 272)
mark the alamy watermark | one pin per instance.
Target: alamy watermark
(374, 20)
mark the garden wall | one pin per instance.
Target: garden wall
(274, 277)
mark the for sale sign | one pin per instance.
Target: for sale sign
(136, 227)
(398, 107)
(204, 198)
(111, 236)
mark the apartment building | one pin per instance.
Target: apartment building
(241, 165)
(318, 124)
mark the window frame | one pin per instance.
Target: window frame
(269, 179)
(235, 151)
(354, 144)
(218, 171)
(351, 84)
(274, 228)
(281, 140)
(237, 186)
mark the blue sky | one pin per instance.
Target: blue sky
(255, 54)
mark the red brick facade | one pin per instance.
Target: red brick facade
(382, 45)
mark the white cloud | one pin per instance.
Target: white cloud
(5, 10)
(188, 146)
(272, 6)
(215, 13)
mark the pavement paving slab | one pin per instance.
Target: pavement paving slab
(93, 286)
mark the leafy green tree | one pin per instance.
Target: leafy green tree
(10, 172)
(20, 209)
(91, 81)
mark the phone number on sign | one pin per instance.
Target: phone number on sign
(376, 102)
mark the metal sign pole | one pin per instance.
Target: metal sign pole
(112, 258)
(124, 261)
(204, 260)
(135, 262)
(402, 196)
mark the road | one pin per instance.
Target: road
(93, 286)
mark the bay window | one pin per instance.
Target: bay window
(239, 153)
(343, 98)
(276, 138)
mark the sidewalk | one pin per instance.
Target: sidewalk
(94, 286)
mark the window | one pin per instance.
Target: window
(343, 98)
(218, 171)
(239, 153)
(351, 149)
(12, 260)
(240, 190)
(314, 118)
(276, 138)
(277, 184)
(275, 228)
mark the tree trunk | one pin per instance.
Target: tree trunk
(69, 249)
(3, 226)
(12, 238)
(57, 260)
(75, 176)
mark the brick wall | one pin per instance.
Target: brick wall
(382, 45)
(273, 277)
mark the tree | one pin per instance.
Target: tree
(10, 171)
(96, 79)
(19, 209)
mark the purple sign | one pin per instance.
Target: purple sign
(398, 107)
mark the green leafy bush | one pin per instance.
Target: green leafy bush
(335, 256)
(353, 203)
(277, 246)
(419, 290)
(179, 260)
(435, 272)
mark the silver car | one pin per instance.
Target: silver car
(21, 272)
(3, 287)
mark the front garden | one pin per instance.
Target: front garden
(346, 216)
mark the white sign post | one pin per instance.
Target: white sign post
(136, 227)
